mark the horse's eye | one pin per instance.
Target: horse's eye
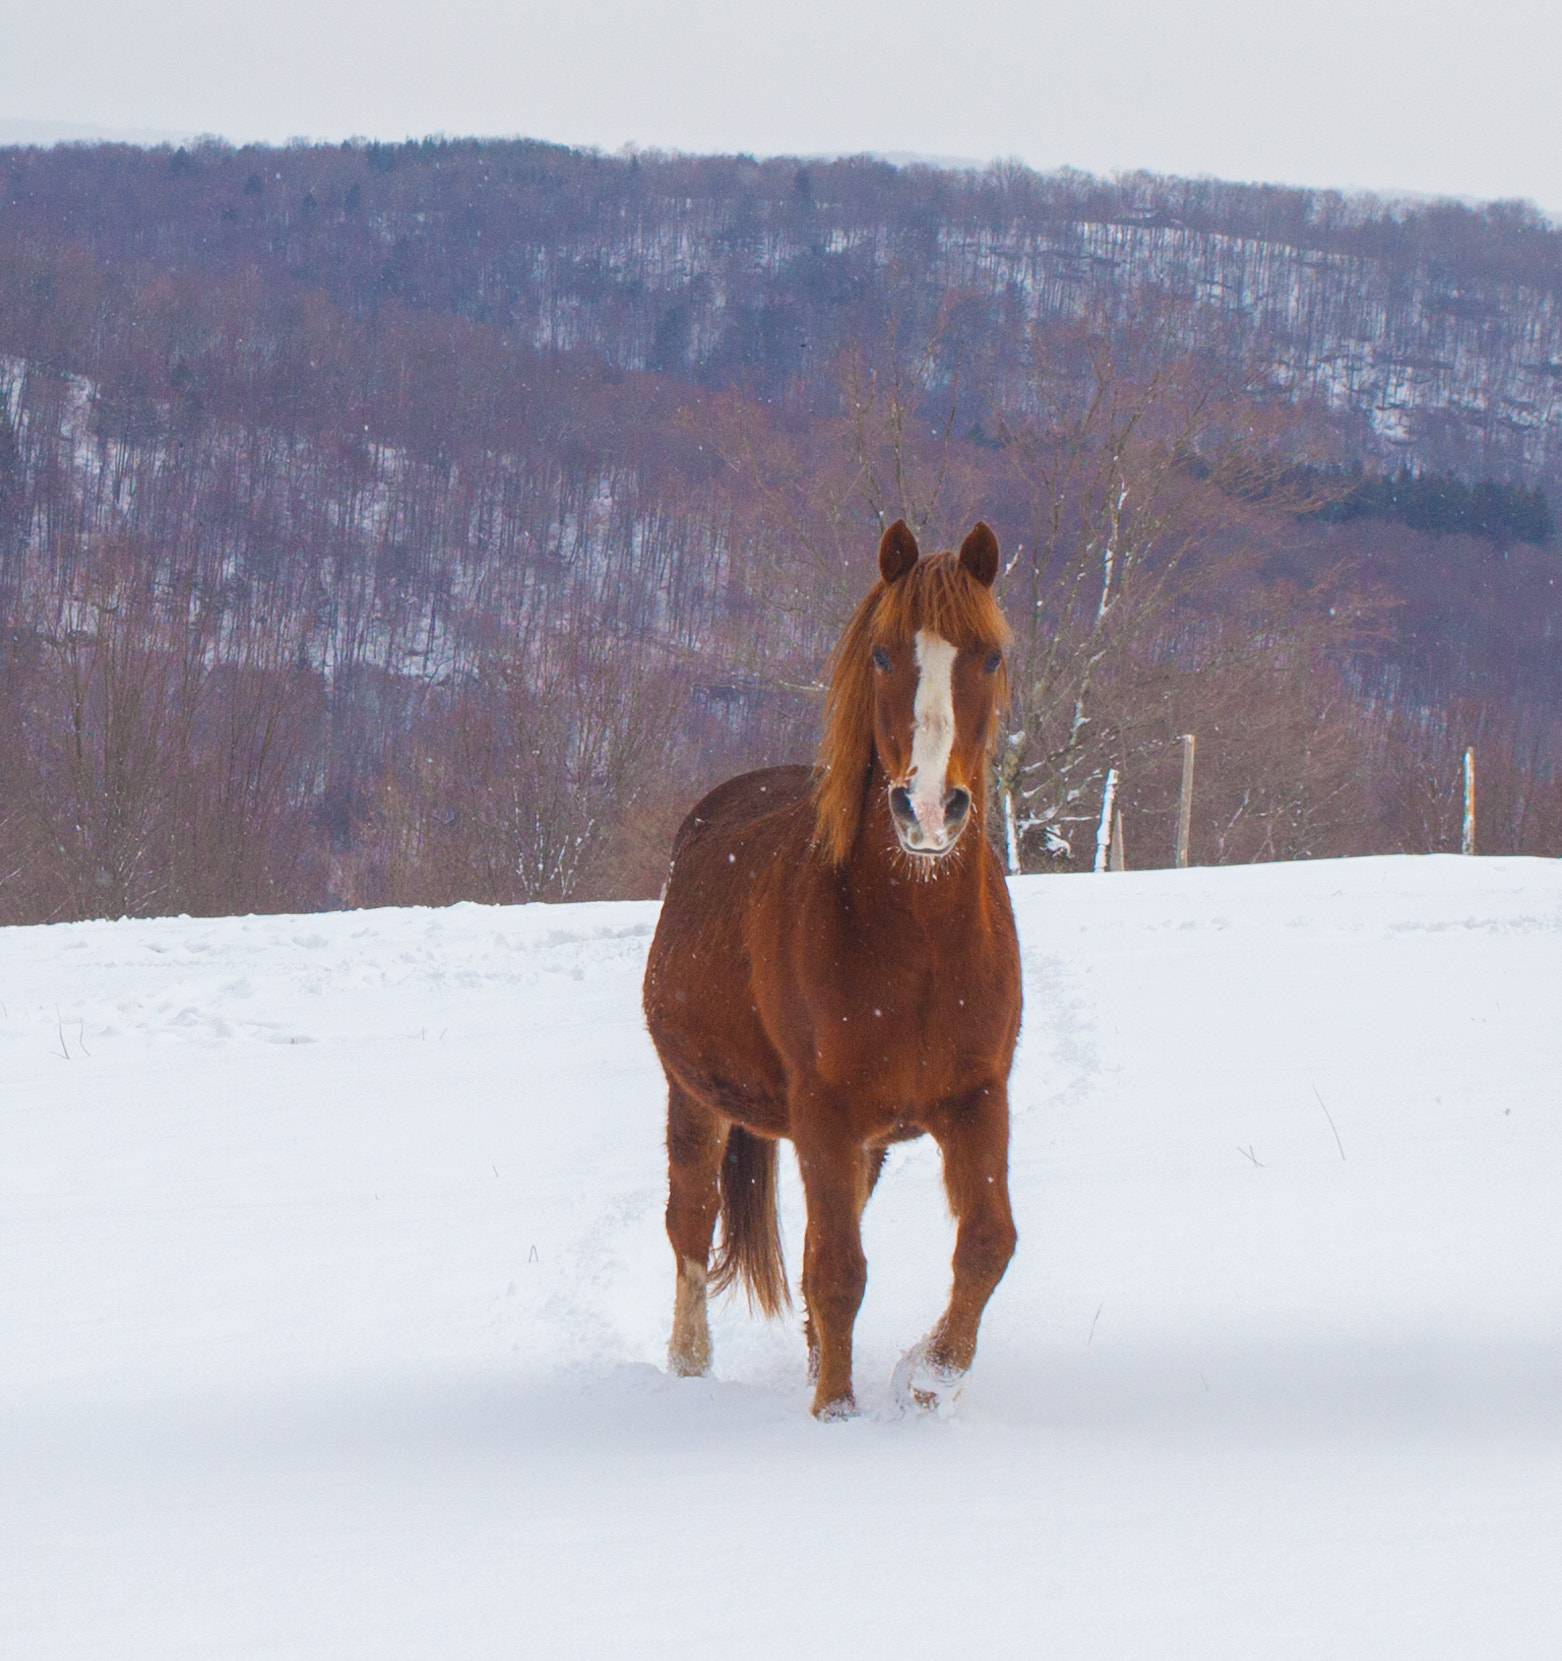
(990, 667)
(880, 658)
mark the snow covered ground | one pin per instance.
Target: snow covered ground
(334, 1295)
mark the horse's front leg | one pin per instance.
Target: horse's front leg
(835, 1272)
(872, 1168)
(972, 1132)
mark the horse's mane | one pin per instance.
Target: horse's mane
(937, 593)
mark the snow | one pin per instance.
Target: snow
(334, 1298)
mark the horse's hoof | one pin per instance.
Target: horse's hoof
(921, 1382)
(688, 1366)
(829, 1412)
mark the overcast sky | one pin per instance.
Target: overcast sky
(1431, 96)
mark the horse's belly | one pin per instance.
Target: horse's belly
(703, 1020)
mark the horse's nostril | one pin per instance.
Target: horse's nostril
(900, 805)
(956, 805)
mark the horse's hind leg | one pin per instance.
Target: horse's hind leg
(873, 1168)
(695, 1140)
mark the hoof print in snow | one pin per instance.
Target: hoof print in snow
(921, 1384)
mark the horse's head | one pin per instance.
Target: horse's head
(919, 681)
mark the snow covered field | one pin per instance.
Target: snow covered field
(334, 1295)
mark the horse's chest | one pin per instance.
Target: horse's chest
(908, 1038)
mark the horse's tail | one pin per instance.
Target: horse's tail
(750, 1247)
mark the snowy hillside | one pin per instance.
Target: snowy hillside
(334, 1294)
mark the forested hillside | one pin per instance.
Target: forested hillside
(433, 521)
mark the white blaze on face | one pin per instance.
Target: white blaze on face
(932, 732)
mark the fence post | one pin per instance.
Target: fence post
(1185, 802)
(1467, 846)
(1117, 860)
(1104, 829)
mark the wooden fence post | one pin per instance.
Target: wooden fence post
(1117, 860)
(1467, 845)
(1011, 833)
(1185, 802)
(1104, 829)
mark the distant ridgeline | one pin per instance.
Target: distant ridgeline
(1441, 503)
(248, 276)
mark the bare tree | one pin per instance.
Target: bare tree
(1142, 463)
(512, 788)
(824, 489)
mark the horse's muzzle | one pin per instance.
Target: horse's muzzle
(914, 836)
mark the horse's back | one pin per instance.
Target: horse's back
(740, 801)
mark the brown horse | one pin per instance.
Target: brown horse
(836, 963)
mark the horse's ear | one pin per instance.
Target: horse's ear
(898, 552)
(979, 553)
